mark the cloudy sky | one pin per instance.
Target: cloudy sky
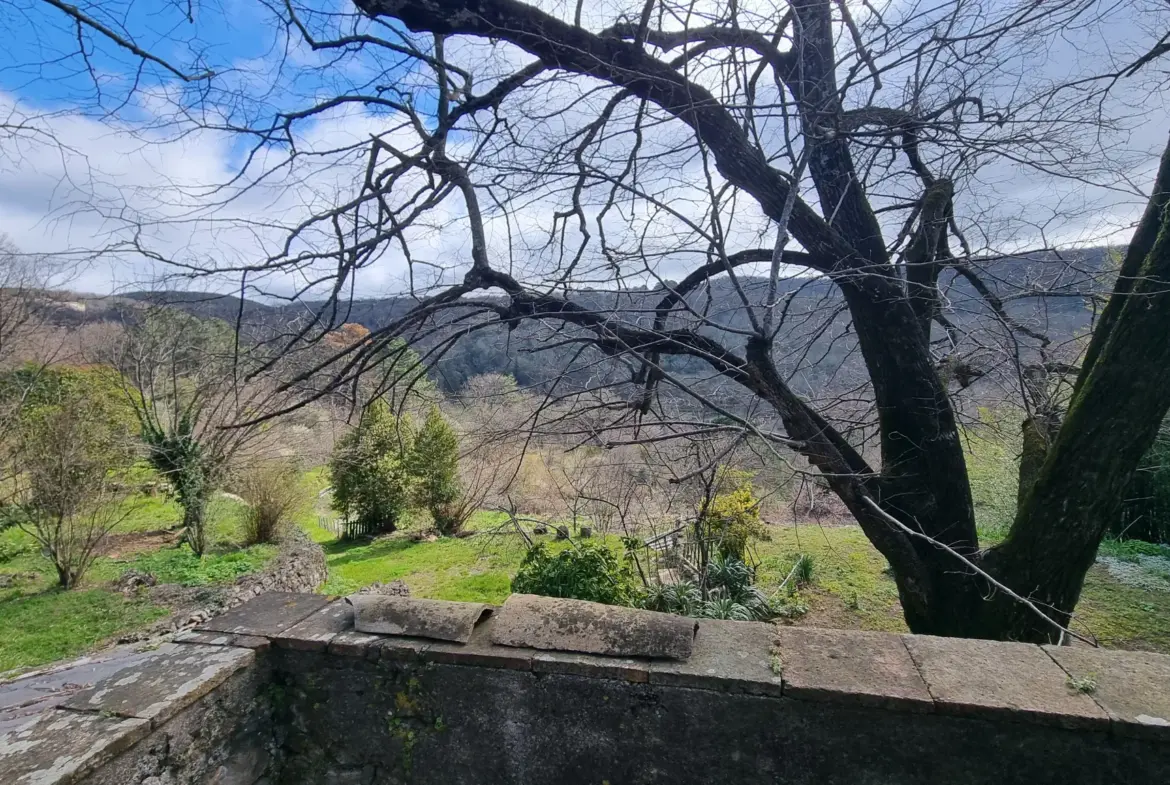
(101, 153)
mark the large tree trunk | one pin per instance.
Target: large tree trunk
(1122, 395)
(922, 483)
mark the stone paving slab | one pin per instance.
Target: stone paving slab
(1133, 687)
(732, 656)
(1005, 681)
(60, 747)
(849, 666)
(161, 686)
(321, 627)
(40, 691)
(267, 614)
(435, 619)
(355, 644)
(556, 624)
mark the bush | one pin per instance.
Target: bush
(732, 518)
(435, 465)
(728, 578)
(590, 571)
(274, 493)
(684, 598)
(370, 473)
(730, 595)
(67, 446)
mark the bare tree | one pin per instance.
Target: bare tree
(668, 148)
(65, 464)
(274, 492)
(196, 392)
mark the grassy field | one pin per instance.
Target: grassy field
(478, 568)
(851, 587)
(852, 590)
(40, 623)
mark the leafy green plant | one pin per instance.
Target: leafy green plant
(730, 578)
(730, 573)
(804, 569)
(67, 448)
(178, 457)
(13, 546)
(1086, 685)
(730, 594)
(372, 481)
(590, 571)
(434, 461)
(684, 598)
(790, 609)
(731, 519)
(726, 608)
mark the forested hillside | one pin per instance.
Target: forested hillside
(1054, 298)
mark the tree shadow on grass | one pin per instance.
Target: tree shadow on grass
(363, 550)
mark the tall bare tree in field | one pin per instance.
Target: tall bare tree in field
(595, 169)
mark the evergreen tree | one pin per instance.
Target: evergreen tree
(435, 463)
(372, 481)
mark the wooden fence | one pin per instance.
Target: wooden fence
(343, 529)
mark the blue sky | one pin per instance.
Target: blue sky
(41, 63)
(97, 103)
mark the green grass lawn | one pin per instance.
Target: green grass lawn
(474, 569)
(54, 624)
(39, 623)
(852, 590)
(850, 587)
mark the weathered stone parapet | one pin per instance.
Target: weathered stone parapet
(181, 713)
(285, 690)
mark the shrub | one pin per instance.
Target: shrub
(68, 499)
(591, 571)
(274, 492)
(731, 579)
(730, 595)
(726, 608)
(372, 482)
(804, 569)
(435, 465)
(684, 598)
(732, 518)
(178, 457)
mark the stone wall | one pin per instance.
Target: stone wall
(190, 715)
(296, 695)
(300, 566)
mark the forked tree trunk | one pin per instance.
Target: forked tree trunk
(1120, 400)
(1121, 397)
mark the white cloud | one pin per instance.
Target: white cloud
(100, 180)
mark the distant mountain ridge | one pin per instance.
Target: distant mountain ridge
(1061, 315)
